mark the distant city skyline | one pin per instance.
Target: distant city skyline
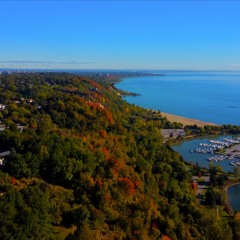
(177, 35)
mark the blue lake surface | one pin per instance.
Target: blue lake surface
(207, 96)
(234, 197)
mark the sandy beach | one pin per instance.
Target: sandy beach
(186, 121)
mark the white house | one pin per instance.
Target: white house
(1, 161)
(2, 106)
(4, 154)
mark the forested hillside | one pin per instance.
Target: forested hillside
(84, 164)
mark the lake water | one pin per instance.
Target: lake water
(234, 197)
(207, 96)
(184, 149)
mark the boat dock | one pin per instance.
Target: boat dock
(227, 149)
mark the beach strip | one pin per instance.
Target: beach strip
(186, 121)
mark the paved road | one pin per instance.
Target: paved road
(201, 186)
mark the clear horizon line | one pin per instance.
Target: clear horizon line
(115, 69)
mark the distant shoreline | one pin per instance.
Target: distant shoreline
(175, 118)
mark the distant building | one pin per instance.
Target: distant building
(2, 128)
(95, 90)
(20, 128)
(2, 161)
(2, 157)
(2, 106)
(4, 154)
(6, 73)
(173, 133)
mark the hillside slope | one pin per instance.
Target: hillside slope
(118, 180)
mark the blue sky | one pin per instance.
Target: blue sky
(120, 34)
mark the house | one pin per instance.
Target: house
(20, 128)
(2, 157)
(173, 133)
(4, 154)
(2, 106)
(2, 128)
(95, 90)
(2, 161)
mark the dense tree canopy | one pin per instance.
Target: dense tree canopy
(115, 178)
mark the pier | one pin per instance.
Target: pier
(227, 149)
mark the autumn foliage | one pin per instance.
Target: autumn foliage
(13, 181)
(99, 182)
(106, 153)
(194, 186)
(127, 185)
(165, 237)
(117, 178)
(102, 133)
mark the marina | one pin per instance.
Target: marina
(218, 151)
(222, 150)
